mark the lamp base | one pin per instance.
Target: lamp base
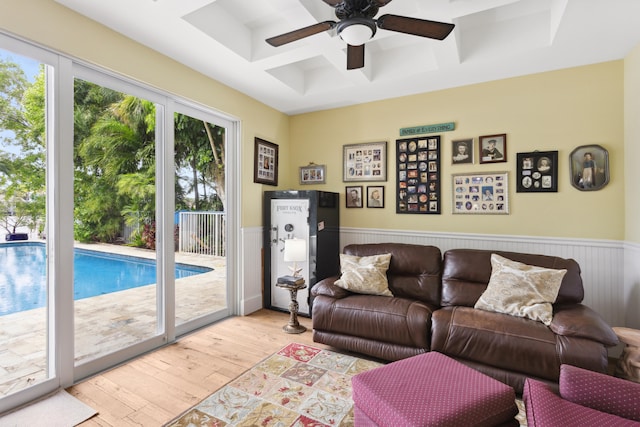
(294, 329)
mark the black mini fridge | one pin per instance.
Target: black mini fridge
(310, 215)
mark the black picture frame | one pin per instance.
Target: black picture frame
(353, 196)
(418, 185)
(265, 167)
(593, 177)
(375, 196)
(537, 172)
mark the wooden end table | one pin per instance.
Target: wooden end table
(293, 285)
(628, 365)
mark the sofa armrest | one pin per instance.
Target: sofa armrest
(577, 320)
(327, 288)
(600, 391)
(545, 408)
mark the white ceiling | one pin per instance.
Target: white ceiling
(493, 39)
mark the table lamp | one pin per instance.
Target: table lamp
(295, 250)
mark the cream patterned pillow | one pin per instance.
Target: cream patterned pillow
(521, 290)
(365, 275)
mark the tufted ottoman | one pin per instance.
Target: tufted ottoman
(431, 390)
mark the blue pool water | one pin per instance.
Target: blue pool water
(23, 274)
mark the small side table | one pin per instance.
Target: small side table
(628, 365)
(293, 285)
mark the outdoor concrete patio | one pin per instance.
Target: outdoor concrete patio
(107, 322)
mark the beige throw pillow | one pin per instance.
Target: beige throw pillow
(521, 290)
(365, 275)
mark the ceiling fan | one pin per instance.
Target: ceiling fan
(357, 25)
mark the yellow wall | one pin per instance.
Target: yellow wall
(51, 25)
(632, 144)
(557, 110)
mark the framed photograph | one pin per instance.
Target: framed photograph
(312, 174)
(481, 193)
(354, 196)
(537, 172)
(493, 148)
(265, 168)
(418, 175)
(462, 151)
(589, 167)
(375, 196)
(365, 162)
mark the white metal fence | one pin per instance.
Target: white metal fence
(202, 233)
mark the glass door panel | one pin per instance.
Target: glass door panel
(200, 219)
(115, 277)
(24, 286)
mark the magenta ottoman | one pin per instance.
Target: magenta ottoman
(431, 390)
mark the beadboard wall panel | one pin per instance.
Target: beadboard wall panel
(632, 285)
(609, 288)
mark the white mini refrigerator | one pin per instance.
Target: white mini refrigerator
(310, 215)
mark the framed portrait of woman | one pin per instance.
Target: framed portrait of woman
(462, 151)
(589, 166)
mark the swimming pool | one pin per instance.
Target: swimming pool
(23, 274)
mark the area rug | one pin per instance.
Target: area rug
(59, 410)
(299, 386)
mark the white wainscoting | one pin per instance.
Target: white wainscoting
(609, 288)
(632, 284)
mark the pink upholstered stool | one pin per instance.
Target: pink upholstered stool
(431, 390)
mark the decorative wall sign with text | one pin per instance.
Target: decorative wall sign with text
(418, 175)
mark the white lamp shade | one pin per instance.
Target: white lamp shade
(356, 34)
(295, 250)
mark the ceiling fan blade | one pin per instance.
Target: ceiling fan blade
(381, 3)
(334, 3)
(355, 57)
(415, 26)
(300, 33)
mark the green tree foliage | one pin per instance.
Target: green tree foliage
(114, 158)
(22, 177)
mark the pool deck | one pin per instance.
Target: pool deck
(107, 322)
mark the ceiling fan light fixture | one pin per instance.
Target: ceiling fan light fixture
(356, 31)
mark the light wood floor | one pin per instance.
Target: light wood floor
(155, 388)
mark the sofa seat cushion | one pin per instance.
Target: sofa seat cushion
(386, 319)
(510, 343)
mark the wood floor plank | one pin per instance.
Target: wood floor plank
(159, 386)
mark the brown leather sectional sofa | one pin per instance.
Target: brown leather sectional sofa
(432, 310)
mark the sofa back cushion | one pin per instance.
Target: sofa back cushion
(466, 273)
(414, 271)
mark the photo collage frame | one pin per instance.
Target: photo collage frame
(537, 172)
(481, 193)
(418, 175)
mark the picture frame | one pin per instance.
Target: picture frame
(312, 174)
(418, 175)
(265, 167)
(537, 172)
(481, 193)
(589, 166)
(462, 151)
(492, 148)
(365, 162)
(353, 196)
(375, 196)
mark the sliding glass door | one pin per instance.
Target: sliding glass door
(116, 233)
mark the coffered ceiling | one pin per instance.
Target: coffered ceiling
(493, 39)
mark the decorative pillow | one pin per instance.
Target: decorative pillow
(365, 275)
(521, 290)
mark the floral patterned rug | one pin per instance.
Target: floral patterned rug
(299, 386)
